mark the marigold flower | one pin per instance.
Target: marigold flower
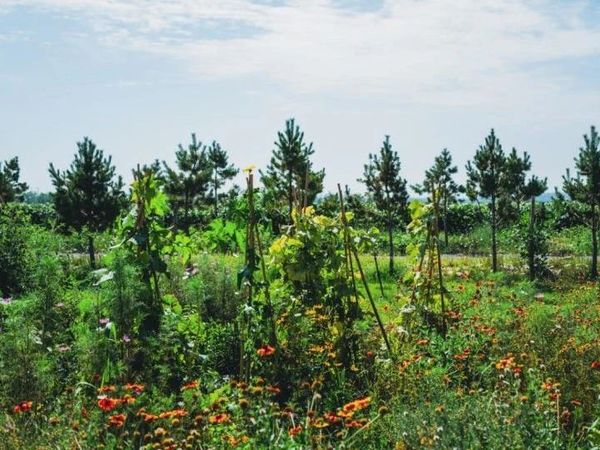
(118, 420)
(219, 418)
(265, 350)
(107, 403)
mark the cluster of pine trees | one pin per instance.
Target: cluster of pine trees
(89, 194)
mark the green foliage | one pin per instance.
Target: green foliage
(188, 186)
(585, 187)
(223, 237)
(11, 189)
(501, 179)
(221, 172)
(88, 195)
(383, 181)
(15, 254)
(290, 175)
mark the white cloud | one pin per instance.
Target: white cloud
(435, 51)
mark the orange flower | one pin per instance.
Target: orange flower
(147, 417)
(107, 403)
(319, 423)
(173, 413)
(293, 431)
(331, 417)
(356, 405)
(128, 399)
(265, 350)
(219, 418)
(464, 355)
(356, 423)
(22, 407)
(595, 365)
(191, 385)
(118, 420)
(137, 388)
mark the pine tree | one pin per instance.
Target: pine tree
(534, 187)
(512, 183)
(11, 189)
(290, 174)
(585, 187)
(440, 177)
(89, 194)
(187, 186)
(383, 181)
(221, 171)
(484, 180)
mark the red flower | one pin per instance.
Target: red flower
(595, 365)
(107, 403)
(265, 350)
(22, 407)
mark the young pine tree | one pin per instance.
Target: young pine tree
(585, 187)
(89, 194)
(484, 179)
(221, 171)
(512, 182)
(11, 189)
(440, 177)
(383, 181)
(290, 174)
(534, 187)
(187, 186)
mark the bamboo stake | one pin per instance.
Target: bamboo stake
(378, 274)
(439, 259)
(267, 291)
(364, 279)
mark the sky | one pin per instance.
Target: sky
(138, 76)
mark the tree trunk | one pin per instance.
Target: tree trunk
(91, 251)
(445, 224)
(391, 241)
(531, 238)
(594, 269)
(290, 194)
(494, 244)
(216, 196)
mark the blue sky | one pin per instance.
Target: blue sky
(139, 76)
